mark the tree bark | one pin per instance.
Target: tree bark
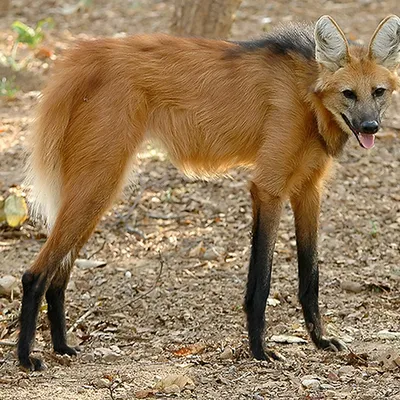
(205, 18)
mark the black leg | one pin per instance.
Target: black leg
(265, 225)
(34, 287)
(55, 297)
(33, 290)
(306, 210)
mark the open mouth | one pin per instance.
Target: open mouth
(365, 140)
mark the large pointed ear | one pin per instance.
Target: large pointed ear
(384, 47)
(331, 46)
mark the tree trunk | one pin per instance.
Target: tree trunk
(206, 18)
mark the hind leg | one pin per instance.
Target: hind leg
(50, 274)
(55, 297)
(33, 290)
(87, 193)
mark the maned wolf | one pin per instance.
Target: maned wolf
(284, 105)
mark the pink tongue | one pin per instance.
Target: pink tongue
(367, 140)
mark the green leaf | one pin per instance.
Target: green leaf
(26, 34)
(31, 36)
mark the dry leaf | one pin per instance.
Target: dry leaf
(287, 339)
(88, 264)
(355, 359)
(15, 210)
(182, 381)
(43, 53)
(144, 394)
(391, 359)
(197, 251)
(189, 350)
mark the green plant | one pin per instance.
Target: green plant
(8, 88)
(31, 36)
(26, 35)
(374, 229)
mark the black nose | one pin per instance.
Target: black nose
(369, 126)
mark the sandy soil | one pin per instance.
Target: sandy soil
(196, 307)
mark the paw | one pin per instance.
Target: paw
(331, 344)
(70, 351)
(32, 364)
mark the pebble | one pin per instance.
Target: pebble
(8, 284)
(102, 383)
(172, 389)
(210, 254)
(109, 357)
(85, 296)
(327, 386)
(128, 274)
(88, 357)
(106, 354)
(311, 383)
(354, 287)
(227, 354)
(386, 334)
(346, 370)
(71, 286)
(115, 349)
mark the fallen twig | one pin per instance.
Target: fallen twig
(241, 377)
(8, 343)
(134, 205)
(98, 250)
(80, 319)
(165, 217)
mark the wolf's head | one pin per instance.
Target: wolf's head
(355, 82)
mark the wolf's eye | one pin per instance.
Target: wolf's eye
(379, 92)
(349, 94)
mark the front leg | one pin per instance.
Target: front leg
(266, 216)
(306, 207)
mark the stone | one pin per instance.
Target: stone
(227, 354)
(210, 254)
(102, 383)
(172, 389)
(88, 357)
(8, 284)
(311, 383)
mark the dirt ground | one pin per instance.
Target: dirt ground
(192, 323)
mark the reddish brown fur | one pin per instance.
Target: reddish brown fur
(210, 111)
(210, 105)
